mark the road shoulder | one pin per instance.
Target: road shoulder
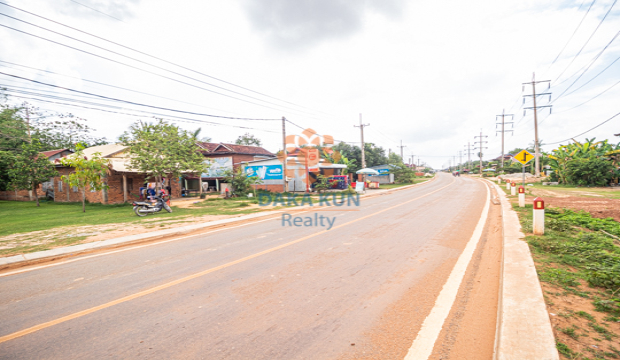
(524, 329)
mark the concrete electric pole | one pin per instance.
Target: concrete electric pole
(361, 126)
(285, 184)
(480, 147)
(401, 150)
(503, 130)
(535, 108)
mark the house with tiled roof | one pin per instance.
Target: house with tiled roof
(222, 157)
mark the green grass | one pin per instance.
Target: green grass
(21, 217)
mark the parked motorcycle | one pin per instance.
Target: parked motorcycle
(143, 208)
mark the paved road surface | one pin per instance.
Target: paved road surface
(261, 291)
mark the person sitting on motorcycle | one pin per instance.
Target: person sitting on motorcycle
(150, 194)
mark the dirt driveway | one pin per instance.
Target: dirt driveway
(594, 202)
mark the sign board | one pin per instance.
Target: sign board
(218, 166)
(265, 172)
(309, 157)
(359, 187)
(382, 172)
(524, 157)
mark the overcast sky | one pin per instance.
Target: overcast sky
(432, 74)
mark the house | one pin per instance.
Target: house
(42, 189)
(123, 182)
(271, 172)
(222, 157)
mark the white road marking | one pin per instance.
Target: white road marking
(424, 343)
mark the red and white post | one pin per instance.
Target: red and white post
(521, 196)
(499, 180)
(538, 219)
(513, 188)
(507, 184)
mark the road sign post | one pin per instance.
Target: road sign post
(523, 157)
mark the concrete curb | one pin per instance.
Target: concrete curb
(523, 326)
(130, 238)
(74, 249)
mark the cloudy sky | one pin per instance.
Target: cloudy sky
(432, 74)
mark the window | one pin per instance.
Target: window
(60, 186)
(75, 189)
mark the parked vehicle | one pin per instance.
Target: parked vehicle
(143, 208)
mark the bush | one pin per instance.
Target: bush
(589, 172)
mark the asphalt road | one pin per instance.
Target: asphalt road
(267, 290)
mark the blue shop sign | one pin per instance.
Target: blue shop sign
(265, 172)
(383, 171)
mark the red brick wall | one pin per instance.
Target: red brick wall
(114, 191)
(270, 187)
(22, 195)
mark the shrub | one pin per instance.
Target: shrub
(589, 172)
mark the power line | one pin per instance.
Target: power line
(134, 103)
(587, 41)
(571, 37)
(151, 56)
(585, 132)
(144, 70)
(591, 63)
(101, 12)
(162, 116)
(108, 85)
(604, 91)
(597, 75)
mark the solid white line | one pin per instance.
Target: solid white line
(424, 343)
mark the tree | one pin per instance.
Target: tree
(64, 131)
(248, 139)
(30, 168)
(240, 181)
(163, 150)
(87, 172)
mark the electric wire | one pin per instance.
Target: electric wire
(137, 68)
(591, 63)
(587, 41)
(101, 12)
(152, 56)
(134, 103)
(107, 85)
(601, 93)
(585, 132)
(574, 32)
(155, 115)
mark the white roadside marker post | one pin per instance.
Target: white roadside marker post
(538, 223)
(513, 188)
(521, 196)
(507, 184)
(499, 180)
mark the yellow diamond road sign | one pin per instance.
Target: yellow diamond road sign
(524, 157)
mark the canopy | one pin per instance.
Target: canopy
(367, 171)
(489, 169)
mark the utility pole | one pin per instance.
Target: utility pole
(460, 160)
(361, 126)
(469, 153)
(285, 183)
(401, 150)
(534, 95)
(503, 130)
(480, 147)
